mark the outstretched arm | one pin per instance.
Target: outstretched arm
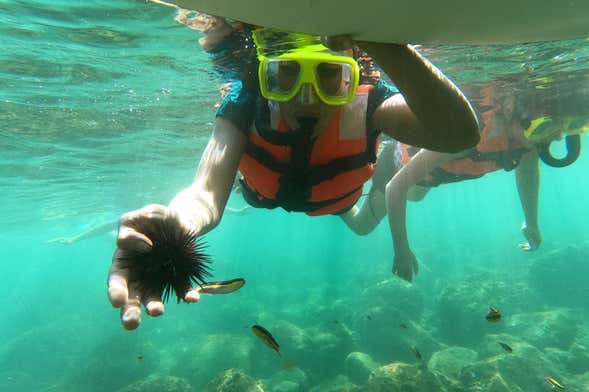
(202, 204)
(197, 209)
(405, 262)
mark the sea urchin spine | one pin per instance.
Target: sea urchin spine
(176, 261)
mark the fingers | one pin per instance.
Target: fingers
(408, 276)
(131, 240)
(406, 269)
(527, 247)
(524, 246)
(129, 300)
(154, 305)
(131, 310)
(192, 296)
(533, 238)
(404, 273)
(132, 225)
(118, 292)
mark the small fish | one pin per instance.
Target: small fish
(553, 383)
(139, 357)
(403, 325)
(223, 287)
(494, 315)
(506, 347)
(416, 352)
(266, 337)
(368, 317)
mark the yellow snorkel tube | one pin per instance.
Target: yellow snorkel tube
(544, 130)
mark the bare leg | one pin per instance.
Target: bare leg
(417, 193)
(527, 176)
(93, 231)
(362, 220)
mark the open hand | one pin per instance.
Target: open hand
(124, 293)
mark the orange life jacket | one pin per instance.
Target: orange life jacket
(322, 175)
(494, 152)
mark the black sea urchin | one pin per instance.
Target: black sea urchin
(175, 262)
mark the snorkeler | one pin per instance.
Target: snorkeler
(304, 136)
(406, 173)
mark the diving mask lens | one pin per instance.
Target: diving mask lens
(334, 82)
(334, 79)
(281, 77)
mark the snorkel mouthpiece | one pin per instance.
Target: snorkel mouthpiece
(307, 124)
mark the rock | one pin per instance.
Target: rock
(386, 306)
(329, 347)
(116, 355)
(36, 355)
(285, 386)
(197, 359)
(579, 353)
(159, 384)
(451, 361)
(560, 276)
(461, 306)
(290, 379)
(525, 368)
(554, 328)
(337, 384)
(579, 383)
(490, 347)
(233, 380)
(401, 377)
(575, 360)
(359, 366)
(291, 336)
(498, 384)
(17, 381)
(394, 293)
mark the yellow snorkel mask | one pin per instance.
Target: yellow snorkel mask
(543, 128)
(334, 77)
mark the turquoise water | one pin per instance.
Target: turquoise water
(107, 108)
